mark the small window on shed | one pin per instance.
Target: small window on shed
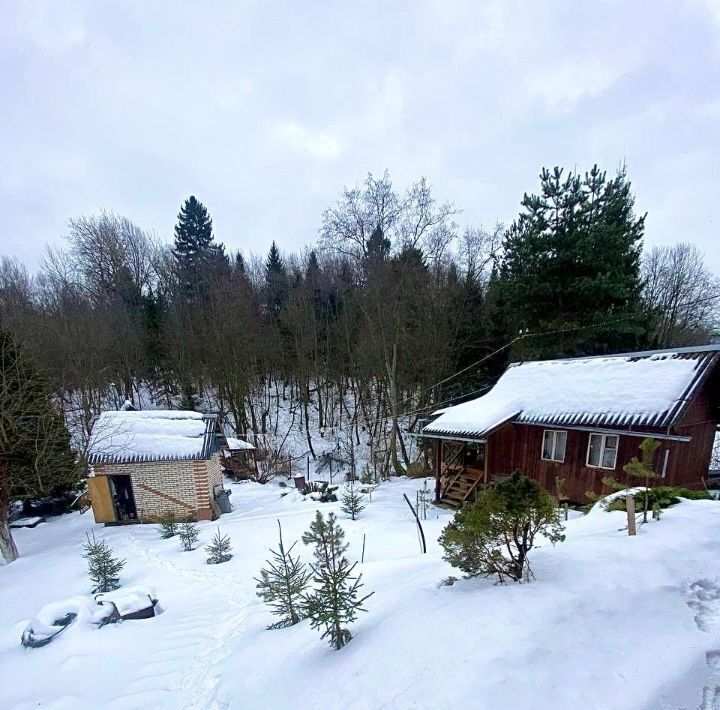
(602, 451)
(554, 443)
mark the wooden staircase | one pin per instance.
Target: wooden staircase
(459, 488)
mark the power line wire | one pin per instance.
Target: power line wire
(518, 338)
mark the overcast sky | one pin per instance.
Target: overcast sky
(264, 110)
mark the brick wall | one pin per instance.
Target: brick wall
(215, 469)
(184, 487)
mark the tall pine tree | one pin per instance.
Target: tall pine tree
(571, 261)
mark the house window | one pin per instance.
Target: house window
(554, 445)
(602, 451)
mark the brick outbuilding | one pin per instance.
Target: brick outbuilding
(144, 464)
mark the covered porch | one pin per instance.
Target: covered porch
(461, 468)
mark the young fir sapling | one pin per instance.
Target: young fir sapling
(168, 525)
(103, 569)
(353, 501)
(335, 601)
(283, 584)
(219, 549)
(189, 534)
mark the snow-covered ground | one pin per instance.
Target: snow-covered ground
(610, 622)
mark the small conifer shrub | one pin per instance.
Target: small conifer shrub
(282, 586)
(335, 601)
(188, 533)
(353, 501)
(103, 569)
(494, 535)
(168, 525)
(219, 549)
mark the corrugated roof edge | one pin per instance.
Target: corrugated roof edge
(676, 414)
(710, 347)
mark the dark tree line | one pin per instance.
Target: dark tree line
(356, 332)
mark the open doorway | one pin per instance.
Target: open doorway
(123, 498)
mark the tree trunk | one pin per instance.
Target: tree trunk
(8, 549)
(307, 420)
(392, 386)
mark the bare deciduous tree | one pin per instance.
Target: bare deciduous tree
(682, 293)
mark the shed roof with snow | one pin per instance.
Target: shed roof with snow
(647, 389)
(152, 435)
(234, 444)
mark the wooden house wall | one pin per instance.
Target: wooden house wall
(520, 446)
(700, 422)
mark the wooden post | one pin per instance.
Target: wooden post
(485, 462)
(630, 503)
(438, 466)
(417, 520)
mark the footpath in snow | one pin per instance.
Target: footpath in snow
(611, 622)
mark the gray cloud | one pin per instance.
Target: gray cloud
(264, 110)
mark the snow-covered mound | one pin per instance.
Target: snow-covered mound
(610, 622)
(130, 600)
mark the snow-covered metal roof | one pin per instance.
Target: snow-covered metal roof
(151, 435)
(634, 389)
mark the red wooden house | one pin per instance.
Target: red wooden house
(582, 419)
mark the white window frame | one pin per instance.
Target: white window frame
(603, 446)
(554, 433)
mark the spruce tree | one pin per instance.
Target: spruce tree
(219, 549)
(193, 231)
(353, 501)
(103, 569)
(377, 249)
(168, 525)
(334, 602)
(197, 256)
(643, 468)
(283, 584)
(276, 281)
(189, 534)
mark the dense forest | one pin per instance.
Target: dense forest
(392, 309)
